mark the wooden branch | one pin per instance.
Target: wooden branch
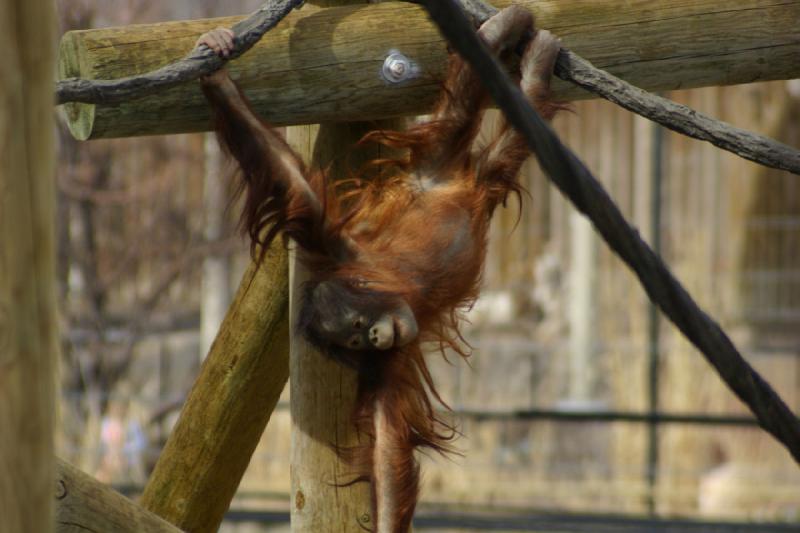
(29, 342)
(324, 64)
(84, 504)
(229, 405)
(567, 172)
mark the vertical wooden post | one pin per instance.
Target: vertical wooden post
(28, 336)
(323, 391)
(322, 395)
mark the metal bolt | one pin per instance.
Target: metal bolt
(397, 68)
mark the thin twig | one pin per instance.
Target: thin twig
(587, 194)
(199, 62)
(680, 118)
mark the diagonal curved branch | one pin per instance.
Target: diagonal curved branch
(199, 62)
(572, 177)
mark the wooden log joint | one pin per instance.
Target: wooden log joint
(325, 64)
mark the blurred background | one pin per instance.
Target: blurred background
(580, 405)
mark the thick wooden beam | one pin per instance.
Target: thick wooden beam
(323, 391)
(84, 504)
(323, 64)
(229, 405)
(28, 327)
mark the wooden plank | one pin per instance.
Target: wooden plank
(28, 328)
(323, 64)
(84, 504)
(229, 405)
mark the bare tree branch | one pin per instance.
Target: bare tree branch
(198, 63)
(587, 194)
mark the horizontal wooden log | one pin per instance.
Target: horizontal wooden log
(324, 64)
